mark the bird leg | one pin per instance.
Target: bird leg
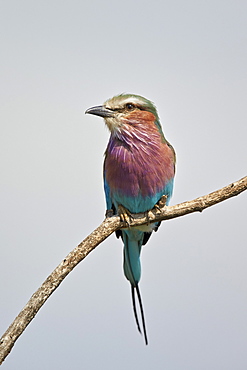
(125, 215)
(157, 207)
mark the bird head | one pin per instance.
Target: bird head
(126, 109)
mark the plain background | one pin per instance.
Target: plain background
(59, 58)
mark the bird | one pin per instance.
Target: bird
(139, 169)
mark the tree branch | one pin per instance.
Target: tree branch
(108, 226)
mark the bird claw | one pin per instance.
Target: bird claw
(125, 215)
(149, 216)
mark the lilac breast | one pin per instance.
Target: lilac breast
(137, 167)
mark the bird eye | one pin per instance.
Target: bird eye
(130, 106)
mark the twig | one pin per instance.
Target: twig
(108, 226)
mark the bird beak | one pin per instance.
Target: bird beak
(101, 111)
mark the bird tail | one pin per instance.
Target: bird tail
(132, 271)
(137, 290)
(132, 251)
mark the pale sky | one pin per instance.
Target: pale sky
(59, 58)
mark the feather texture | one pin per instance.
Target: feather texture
(139, 168)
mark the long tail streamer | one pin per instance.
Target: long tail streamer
(133, 289)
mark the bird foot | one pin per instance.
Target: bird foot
(161, 203)
(125, 215)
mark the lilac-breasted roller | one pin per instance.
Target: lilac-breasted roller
(139, 169)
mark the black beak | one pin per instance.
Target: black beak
(101, 111)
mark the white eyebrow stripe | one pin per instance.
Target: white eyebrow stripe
(133, 100)
(118, 104)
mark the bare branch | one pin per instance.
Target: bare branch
(108, 226)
